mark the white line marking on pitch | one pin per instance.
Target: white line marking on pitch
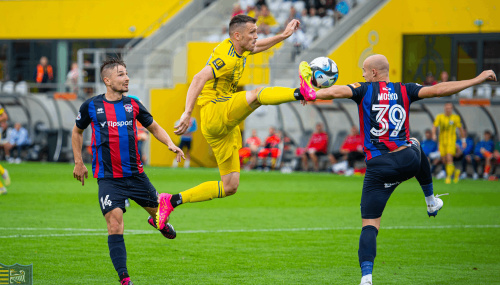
(102, 232)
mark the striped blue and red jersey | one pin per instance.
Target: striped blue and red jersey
(384, 114)
(114, 134)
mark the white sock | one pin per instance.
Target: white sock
(186, 163)
(174, 164)
(430, 200)
(366, 278)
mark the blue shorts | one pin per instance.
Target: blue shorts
(383, 174)
(114, 191)
(185, 143)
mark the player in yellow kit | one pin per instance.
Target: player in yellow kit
(222, 110)
(448, 123)
(4, 172)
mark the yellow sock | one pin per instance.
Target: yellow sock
(204, 192)
(2, 171)
(276, 95)
(450, 168)
(1, 184)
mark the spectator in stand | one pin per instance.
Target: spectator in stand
(317, 146)
(312, 4)
(496, 156)
(251, 149)
(429, 80)
(260, 3)
(463, 152)
(484, 149)
(252, 11)
(18, 140)
(72, 78)
(237, 10)
(44, 73)
(270, 150)
(351, 150)
(444, 76)
(266, 19)
(430, 147)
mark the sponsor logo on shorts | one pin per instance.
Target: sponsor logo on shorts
(79, 116)
(388, 185)
(105, 202)
(100, 111)
(218, 63)
(128, 108)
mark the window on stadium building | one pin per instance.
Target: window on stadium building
(463, 56)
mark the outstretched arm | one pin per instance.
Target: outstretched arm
(160, 134)
(449, 88)
(264, 44)
(194, 90)
(334, 92)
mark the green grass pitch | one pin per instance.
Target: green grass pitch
(299, 228)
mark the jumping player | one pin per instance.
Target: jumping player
(5, 174)
(448, 123)
(391, 155)
(115, 159)
(223, 109)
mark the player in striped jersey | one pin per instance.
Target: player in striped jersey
(115, 158)
(391, 155)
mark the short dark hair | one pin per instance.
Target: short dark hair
(238, 21)
(111, 62)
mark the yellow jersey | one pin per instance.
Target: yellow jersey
(227, 67)
(1, 109)
(447, 128)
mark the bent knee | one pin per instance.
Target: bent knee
(231, 188)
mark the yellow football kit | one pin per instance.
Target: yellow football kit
(222, 109)
(447, 133)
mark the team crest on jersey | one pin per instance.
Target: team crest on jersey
(79, 116)
(218, 63)
(355, 85)
(128, 108)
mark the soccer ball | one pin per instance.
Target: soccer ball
(325, 72)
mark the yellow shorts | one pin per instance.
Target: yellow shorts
(449, 148)
(219, 125)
